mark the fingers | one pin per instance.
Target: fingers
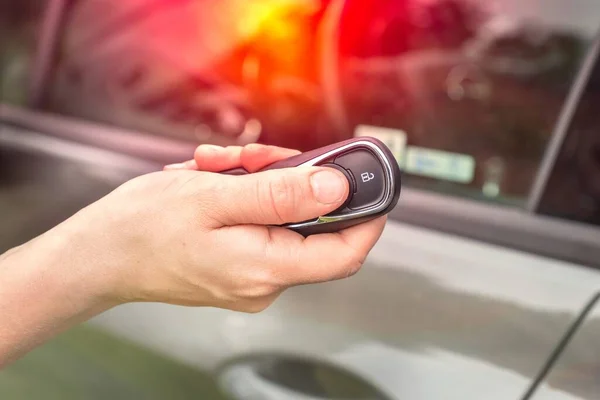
(323, 257)
(278, 196)
(215, 158)
(210, 158)
(257, 156)
(338, 255)
(252, 157)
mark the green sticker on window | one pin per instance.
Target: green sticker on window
(440, 164)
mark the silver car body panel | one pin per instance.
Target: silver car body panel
(428, 316)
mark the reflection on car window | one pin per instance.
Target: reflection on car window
(196, 68)
(465, 92)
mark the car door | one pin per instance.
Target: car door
(470, 289)
(574, 365)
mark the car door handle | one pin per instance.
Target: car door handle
(286, 377)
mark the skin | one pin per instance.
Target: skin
(184, 236)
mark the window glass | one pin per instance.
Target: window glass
(573, 189)
(474, 86)
(19, 23)
(465, 92)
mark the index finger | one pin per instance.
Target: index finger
(251, 157)
(212, 158)
(255, 157)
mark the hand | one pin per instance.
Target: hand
(192, 237)
(183, 236)
(188, 236)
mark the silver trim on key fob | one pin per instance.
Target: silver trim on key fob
(359, 213)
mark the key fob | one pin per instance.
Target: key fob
(373, 178)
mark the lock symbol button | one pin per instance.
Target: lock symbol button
(367, 176)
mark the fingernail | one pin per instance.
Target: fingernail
(329, 186)
(174, 166)
(191, 164)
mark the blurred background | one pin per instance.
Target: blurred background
(484, 284)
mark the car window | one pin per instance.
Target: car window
(572, 190)
(466, 93)
(475, 87)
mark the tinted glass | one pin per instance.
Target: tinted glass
(481, 83)
(573, 190)
(466, 93)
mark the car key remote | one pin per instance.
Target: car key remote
(373, 178)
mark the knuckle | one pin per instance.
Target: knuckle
(354, 264)
(259, 284)
(264, 285)
(208, 203)
(256, 292)
(249, 151)
(256, 307)
(198, 152)
(353, 269)
(196, 186)
(281, 198)
(252, 147)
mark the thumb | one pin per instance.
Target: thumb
(280, 196)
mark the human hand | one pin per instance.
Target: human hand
(192, 237)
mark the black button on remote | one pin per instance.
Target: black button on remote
(369, 176)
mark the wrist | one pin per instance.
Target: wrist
(59, 267)
(80, 262)
(44, 290)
